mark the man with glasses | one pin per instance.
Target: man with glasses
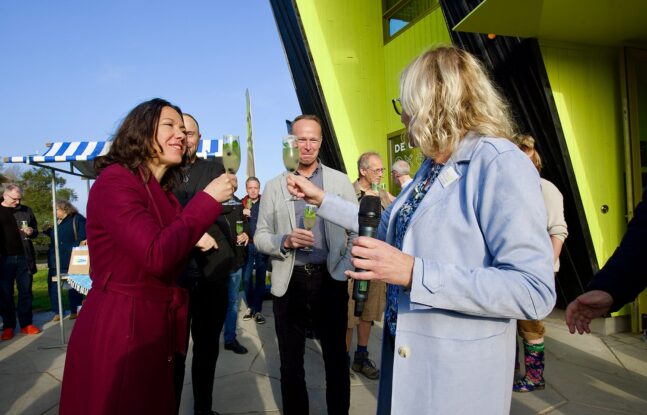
(19, 227)
(370, 171)
(308, 286)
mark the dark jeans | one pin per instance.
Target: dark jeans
(254, 290)
(207, 310)
(75, 298)
(325, 301)
(15, 268)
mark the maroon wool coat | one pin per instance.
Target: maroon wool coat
(120, 355)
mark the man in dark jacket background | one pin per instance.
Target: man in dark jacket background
(206, 278)
(18, 227)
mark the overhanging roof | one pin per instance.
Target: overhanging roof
(597, 22)
(81, 153)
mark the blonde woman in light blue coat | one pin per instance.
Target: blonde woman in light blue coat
(464, 247)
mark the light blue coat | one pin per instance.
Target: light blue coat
(482, 259)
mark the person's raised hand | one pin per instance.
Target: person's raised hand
(380, 261)
(221, 188)
(300, 187)
(585, 308)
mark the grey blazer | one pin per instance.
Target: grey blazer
(276, 218)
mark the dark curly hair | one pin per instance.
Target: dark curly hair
(135, 144)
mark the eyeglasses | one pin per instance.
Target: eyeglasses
(397, 106)
(15, 199)
(305, 140)
(377, 171)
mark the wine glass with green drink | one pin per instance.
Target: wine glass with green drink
(231, 158)
(309, 221)
(239, 229)
(291, 156)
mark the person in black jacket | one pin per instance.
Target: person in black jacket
(71, 232)
(17, 227)
(621, 279)
(206, 278)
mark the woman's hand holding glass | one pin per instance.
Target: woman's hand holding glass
(380, 261)
(302, 188)
(221, 188)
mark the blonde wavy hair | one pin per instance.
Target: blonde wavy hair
(446, 93)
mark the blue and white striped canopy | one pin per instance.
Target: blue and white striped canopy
(80, 152)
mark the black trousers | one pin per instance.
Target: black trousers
(207, 311)
(317, 296)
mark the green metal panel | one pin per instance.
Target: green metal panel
(345, 39)
(429, 31)
(585, 84)
(599, 22)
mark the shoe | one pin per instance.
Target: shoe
(7, 334)
(30, 329)
(365, 366)
(56, 317)
(259, 319)
(73, 316)
(526, 385)
(248, 315)
(235, 347)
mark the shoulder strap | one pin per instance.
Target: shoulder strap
(76, 236)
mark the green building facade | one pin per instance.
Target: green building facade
(576, 78)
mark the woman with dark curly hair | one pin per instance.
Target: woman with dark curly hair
(121, 354)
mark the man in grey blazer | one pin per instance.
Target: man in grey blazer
(308, 285)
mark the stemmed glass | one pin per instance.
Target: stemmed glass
(291, 157)
(239, 229)
(309, 220)
(231, 158)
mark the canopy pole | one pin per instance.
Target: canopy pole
(58, 266)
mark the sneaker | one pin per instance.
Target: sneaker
(235, 347)
(56, 317)
(259, 319)
(248, 315)
(7, 334)
(30, 329)
(527, 385)
(365, 366)
(73, 316)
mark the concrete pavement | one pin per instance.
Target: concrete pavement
(585, 374)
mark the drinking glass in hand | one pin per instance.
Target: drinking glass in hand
(231, 153)
(309, 220)
(231, 158)
(239, 229)
(291, 156)
(23, 227)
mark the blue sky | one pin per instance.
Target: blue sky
(71, 70)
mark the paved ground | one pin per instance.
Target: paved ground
(585, 374)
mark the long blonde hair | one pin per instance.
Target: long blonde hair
(446, 93)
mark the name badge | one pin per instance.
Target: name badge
(448, 176)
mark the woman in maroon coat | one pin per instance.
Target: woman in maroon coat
(120, 355)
